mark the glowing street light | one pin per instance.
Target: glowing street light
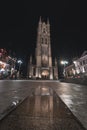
(64, 62)
(19, 62)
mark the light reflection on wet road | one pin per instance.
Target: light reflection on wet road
(75, 97)
(42, 110)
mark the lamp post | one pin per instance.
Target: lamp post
(19, 62)
(63, 62)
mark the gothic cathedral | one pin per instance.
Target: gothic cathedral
(43, 68)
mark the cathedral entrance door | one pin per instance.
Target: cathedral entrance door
(45, 74)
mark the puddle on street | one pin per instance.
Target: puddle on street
(42, 110)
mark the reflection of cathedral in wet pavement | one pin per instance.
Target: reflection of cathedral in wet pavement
(43, 68)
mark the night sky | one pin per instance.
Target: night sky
(68, 21)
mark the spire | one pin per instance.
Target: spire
(30, 59)
(55, 62)
(39, 25)
(39, 31)
(48, 26)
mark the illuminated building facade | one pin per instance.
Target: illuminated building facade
(78, 68)
(43, 68)
(7, 64)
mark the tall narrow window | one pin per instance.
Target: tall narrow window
(45, 41)
(42, 40)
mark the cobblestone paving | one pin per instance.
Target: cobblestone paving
(42, 110)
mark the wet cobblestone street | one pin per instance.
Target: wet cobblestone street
(42, 110)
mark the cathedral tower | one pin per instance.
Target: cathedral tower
(43, 68)
(43, 51)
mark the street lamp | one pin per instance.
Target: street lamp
(64, 62)
(19, 62)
